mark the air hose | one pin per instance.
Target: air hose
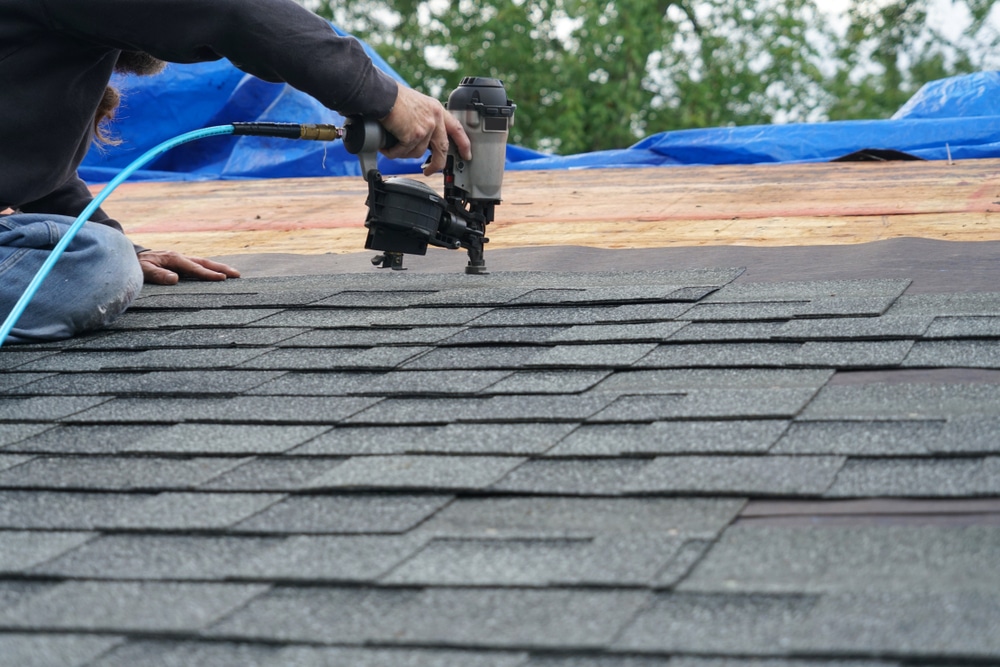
(283, 130)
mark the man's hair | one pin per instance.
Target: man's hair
(129, 62)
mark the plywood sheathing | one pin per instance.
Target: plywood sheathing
(761, 205)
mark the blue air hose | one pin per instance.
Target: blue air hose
(285, 130)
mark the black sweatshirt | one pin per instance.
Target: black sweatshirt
(57, 56)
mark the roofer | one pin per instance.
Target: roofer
(56, 61)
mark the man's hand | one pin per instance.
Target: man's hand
(421, 122)
(166, 267)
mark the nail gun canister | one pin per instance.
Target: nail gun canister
(480, 104)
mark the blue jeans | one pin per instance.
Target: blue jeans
(94, 281)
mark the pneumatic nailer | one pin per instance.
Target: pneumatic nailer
(406, 215)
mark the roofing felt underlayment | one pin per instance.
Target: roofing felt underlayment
(694, 457)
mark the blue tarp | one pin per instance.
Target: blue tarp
(957, 117)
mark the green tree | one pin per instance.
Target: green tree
(890, 49)
(590, 75)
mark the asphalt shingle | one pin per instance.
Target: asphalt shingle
(513, 470)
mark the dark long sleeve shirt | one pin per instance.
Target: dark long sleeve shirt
(57, 56)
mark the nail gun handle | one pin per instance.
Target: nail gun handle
(366, 135)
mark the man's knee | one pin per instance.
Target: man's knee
(92, 283)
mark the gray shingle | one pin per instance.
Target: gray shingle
(280, 473)
(755, 624)
(499, 439)
(193, 511)
(855, 328)
(18, 433)
(45, 408)
(375, 299)
(706, 355)
(220, 439)
(645, 312)
(348, 514)
(687, 556)
(140, 319)
(341, 358)
(158, 359)
(860, 438)
(20, 550)
(968, 434)
(766, 403)
(15, 383)
(85, 439)
(12, 358)
(954, 624)
(742, 475)
(807, 290)
(744, 311)
(903, 401)
(987, 326)
(201, 337)
(616, 294)
(512, 316)
(324, 383)
(15, 592)
(473, 358)
(850, 354)
(504, 335)
(914, 478)
(157, 383)
(51, 650)
(157, 557)
(478, 296)
(947, 304)
(73, 361)
(731, 331)
(954, 353)
(217, 300)
(621, 560)
(221, 317)
(512, 618)
(126, 606)
(339, 318)
(548, 382)
(241, 409)
(636, 332)
(672, 437)
(58, 510)
(590, 356)
(332, 558)
(822, 559)
(223, 654)
(114, 473)
(514, 408)
(363, 337)
(8, 461)
(594, 477)
(64, 511)
(551, 517)
(686, 379)
(847, 306)
(778, 662)
(435, 383)
(424, 472)
(356, 440)
(166, 653)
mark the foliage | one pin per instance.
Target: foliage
(598, 74)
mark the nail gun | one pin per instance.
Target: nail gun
(406, 215)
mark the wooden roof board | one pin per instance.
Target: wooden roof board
(754, 205)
